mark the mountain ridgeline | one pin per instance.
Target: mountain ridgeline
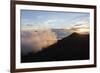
(72, 47)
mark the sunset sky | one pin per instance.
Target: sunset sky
(53, 19)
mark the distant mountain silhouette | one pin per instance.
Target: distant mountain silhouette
(73, 47)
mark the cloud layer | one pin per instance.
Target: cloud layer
(80, 28)
(35, 40)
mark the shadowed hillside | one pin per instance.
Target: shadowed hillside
(73, 47)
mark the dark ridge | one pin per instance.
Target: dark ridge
(73, 47)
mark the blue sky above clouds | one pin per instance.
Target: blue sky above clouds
(53, 19)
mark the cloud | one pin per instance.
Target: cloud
(80, 28)
(36, 40)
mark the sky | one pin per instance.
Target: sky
(53, 19)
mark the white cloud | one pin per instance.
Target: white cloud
(35, 40)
